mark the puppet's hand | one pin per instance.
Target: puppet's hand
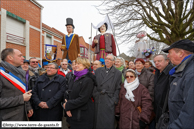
(95, 41)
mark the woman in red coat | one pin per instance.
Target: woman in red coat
(135, 103)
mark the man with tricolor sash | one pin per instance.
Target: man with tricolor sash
(14, 97)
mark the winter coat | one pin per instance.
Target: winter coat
(80, 103)
(51, 92)
(161, 86)
(31, 80)
(130, 115)
(181, 96)
(60, 72)
(146, 78)
(12, 105)
(69, 77)
(106, 96)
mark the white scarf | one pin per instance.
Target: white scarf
(130, 87)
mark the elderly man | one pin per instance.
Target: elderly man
(161, 82)
(106, 94)
(96, 64)
(69, 65)
(181, 94)
(63, 70)
(47, 95)
(13, 96)
(35, 68)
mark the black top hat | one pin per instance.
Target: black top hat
(69, 21)
(184, 44)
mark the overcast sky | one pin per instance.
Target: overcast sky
(83, 13)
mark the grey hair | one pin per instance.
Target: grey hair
(32, 58)
(98, 62)
(130, 70)
(122, 60)
(164, 56)
(64, 59)
(63, 62)
(56, 66)
(73, 61)
(112, 56)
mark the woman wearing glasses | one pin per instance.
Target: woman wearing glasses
(135, 103)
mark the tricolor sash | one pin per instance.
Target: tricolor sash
(16, 81)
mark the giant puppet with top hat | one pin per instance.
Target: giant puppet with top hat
(104, 43)
(70, 42)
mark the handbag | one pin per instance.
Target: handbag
(164, 118)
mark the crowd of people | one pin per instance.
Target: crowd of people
(104, 95)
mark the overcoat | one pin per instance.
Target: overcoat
(161, 86)
(106, 96)
(12, 105)
(51, 92)
(74, 48)
(129, 114)
(146, 78)
(80, 103)
(181, 94)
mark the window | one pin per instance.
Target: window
(15, 30)
(48, 40)
(86, 52)
(82, 51)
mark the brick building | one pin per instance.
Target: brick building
(21, 28)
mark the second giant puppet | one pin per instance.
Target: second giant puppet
(104, 43)
(70, 42)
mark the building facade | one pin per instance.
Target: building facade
(21, 28)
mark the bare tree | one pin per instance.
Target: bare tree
(165, 20)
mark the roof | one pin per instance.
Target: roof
(52, 30)
(37, 4)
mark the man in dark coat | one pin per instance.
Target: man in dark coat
(14, 99)
(161, 82)
(181, 94)
(47, 95)
(106, 94)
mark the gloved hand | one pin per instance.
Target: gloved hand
(142, 124)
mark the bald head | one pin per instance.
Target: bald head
(96, 64)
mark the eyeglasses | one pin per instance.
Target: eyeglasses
(108, 59)
(50, 68)
(117, 62)
(34, 61)
(64, 64)
(129, 77)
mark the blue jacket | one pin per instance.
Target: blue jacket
(181, 96)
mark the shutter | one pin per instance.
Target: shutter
(48, 40)
(15, 30)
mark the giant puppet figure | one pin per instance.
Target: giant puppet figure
(70, 42)
(140, 45)
(103, 43)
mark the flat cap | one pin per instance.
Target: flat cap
(184, 44)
